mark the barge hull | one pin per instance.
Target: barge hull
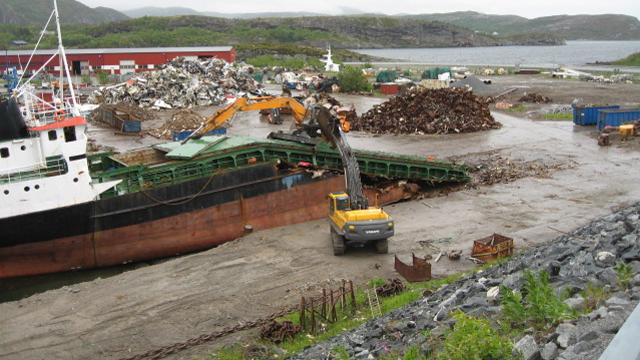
(166, 221)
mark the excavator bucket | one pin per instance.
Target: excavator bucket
(326, 123)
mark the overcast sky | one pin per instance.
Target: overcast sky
(528, 9)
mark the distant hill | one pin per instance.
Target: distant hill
(568, 27)
(32, 12)
(179, 11)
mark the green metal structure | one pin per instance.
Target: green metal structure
(176, 162)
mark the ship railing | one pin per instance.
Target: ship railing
(38, 111)
(54, 166)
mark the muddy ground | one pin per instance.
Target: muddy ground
(255, 276)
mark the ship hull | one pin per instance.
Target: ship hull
(164, 221)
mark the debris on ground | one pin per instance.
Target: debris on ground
(182, 120)
(393, 287)
(126, 107)
(556, 109)
(474, 84)
(279, 331)
(535, 98)
(429, 111)
(489, 169)
(181, 84)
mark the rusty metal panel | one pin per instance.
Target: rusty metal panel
(492, 247)
(419, 271)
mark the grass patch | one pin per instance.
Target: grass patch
(563, 117)
(537, 305)
(517, 108)
(625, 275)
(592, 295)
(473, 339)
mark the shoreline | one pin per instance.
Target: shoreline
(547, 66)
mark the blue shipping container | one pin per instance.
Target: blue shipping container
(181, 135)
(616, 118)
(588, 114)
(126, 126)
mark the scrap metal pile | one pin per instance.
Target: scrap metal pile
(535, 98)
(126, 107)
(490, 168)
(429, 111)
(181, 84)
(182, 120)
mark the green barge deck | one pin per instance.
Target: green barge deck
(174, 162)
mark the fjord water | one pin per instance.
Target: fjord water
(574, 53)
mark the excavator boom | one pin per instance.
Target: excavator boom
(221, 116)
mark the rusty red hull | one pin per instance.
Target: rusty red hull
(164, 222)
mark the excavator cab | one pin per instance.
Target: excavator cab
(356, 228)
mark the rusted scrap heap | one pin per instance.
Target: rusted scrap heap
(429, 111)
(535, 98)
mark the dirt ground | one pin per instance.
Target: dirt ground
(550, 177)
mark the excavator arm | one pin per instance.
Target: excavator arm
(332, 133)
(298, 111)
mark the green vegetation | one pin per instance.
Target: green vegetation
(567, 117)
(625, 275)
(168, 31)
(103, 77)
(351, 80)
(592, 295)
(517, 108)
(631, 60)
(540, 307)
(473, 339)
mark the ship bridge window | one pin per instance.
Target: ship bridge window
(4, 152)
(70, 134)
(52, 135)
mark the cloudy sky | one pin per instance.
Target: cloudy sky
(526, 9)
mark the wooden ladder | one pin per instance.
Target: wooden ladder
(374, 302)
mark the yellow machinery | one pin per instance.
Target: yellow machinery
(352, 221)
(304, 117)
(357, 227)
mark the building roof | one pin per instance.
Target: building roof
(124, 50)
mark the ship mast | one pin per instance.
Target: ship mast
(64, 66)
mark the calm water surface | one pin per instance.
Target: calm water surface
(574, 53)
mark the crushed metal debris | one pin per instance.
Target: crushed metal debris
(182, 120)
(489, 168)
(429, 111)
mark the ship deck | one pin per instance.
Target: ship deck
(173, 162)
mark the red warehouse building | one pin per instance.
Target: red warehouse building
(115, 61)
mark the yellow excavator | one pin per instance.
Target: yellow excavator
(352, 222)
